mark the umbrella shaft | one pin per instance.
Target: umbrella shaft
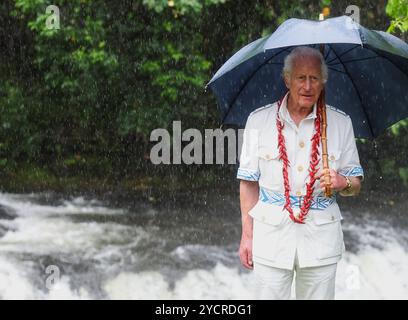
(322, 105)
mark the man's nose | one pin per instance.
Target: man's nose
(307, 84)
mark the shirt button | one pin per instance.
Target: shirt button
(267, 156)
(301, 144)
(332, 218)
(263, 218)
(300, 168)
(332, 157)
(298, 193)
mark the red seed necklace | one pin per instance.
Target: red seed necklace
(313, 168)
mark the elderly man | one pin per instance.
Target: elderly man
(288, 224)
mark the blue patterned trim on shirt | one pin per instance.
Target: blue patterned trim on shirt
(352, 172)
(247, 174)
(277, 198)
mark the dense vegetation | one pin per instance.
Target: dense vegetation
(81, 101)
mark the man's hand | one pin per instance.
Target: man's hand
(337, 181)
(245, 252)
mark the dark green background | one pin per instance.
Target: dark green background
(78, 104)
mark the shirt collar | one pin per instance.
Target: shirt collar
(284, 113)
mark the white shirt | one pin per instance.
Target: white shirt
(276, 237)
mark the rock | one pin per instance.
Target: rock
(7, 213)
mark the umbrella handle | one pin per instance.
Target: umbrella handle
(322, 105)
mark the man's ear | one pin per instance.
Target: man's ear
(287, 81)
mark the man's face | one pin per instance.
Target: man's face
(305, 82)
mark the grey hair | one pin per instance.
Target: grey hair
(304, 51)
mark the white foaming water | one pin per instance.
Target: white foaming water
(374, 274)
(13, 282)
(377, 271)
(47, 231)
(368, 275)
(219, 282)
(24, 205)
(375, 279)
(60, 235)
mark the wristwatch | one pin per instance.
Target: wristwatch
(349, 185)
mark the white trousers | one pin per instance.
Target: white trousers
(314, 283)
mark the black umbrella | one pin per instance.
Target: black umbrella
(368, 73)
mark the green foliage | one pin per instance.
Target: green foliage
(112, 73)
(400, 128)
(84, 98)
(403, 173)
(180, 6)
(326, 3)
(398, 11)
(16, 126)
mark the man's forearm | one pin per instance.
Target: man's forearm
(249, 194)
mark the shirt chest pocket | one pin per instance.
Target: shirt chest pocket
(270, 167)
(334, 159)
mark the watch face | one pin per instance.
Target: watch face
(348, 183)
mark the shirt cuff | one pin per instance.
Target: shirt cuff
(248, 174)
(352, 172)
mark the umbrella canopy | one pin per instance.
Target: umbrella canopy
(368, 73)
